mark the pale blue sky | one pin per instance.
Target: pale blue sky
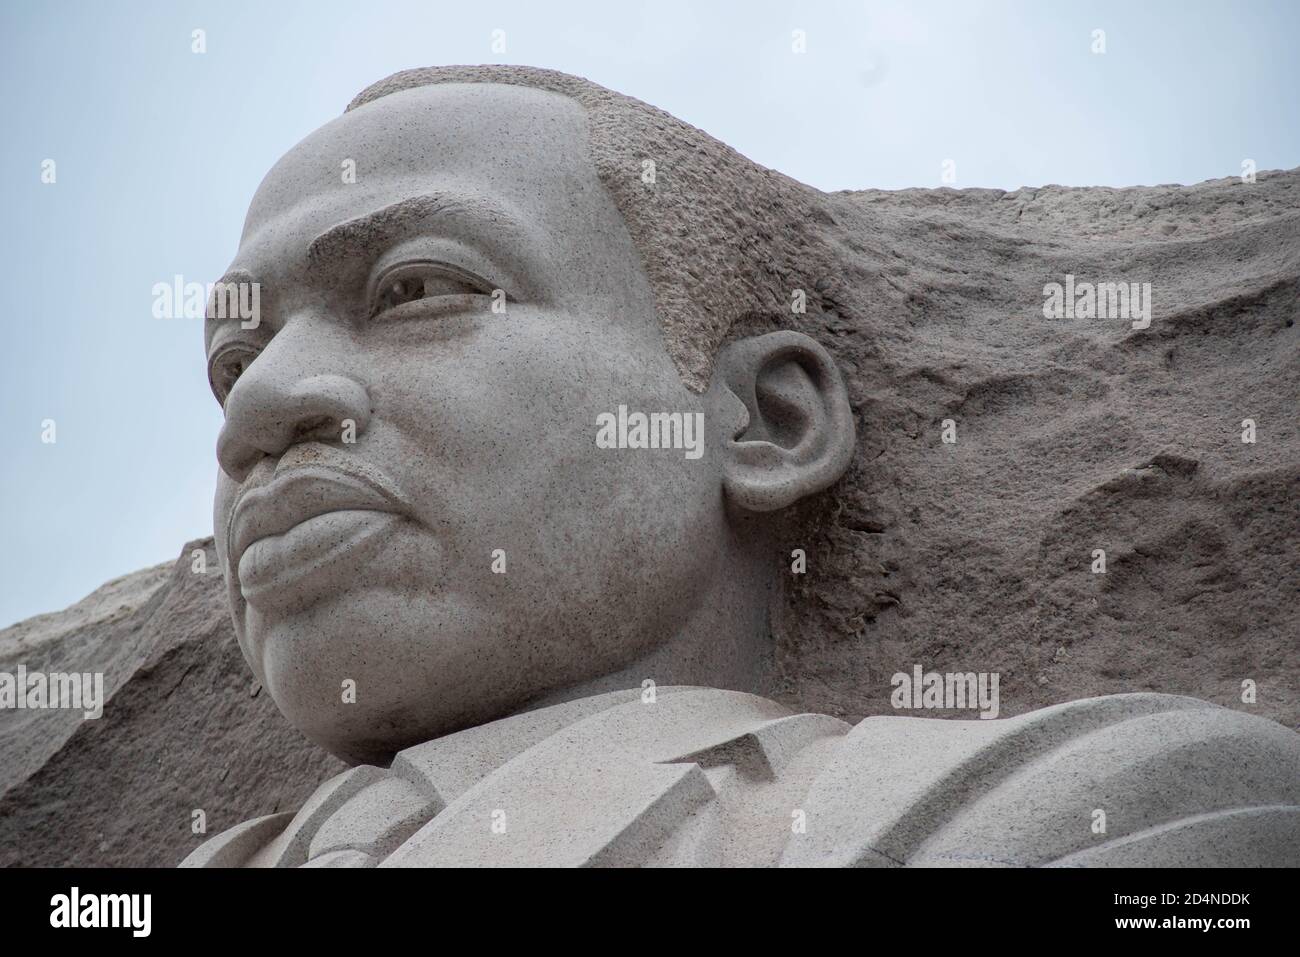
(158, 151)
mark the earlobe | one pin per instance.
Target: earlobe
(798, 435)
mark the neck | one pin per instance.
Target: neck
(725, 644)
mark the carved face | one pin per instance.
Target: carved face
(411, 501)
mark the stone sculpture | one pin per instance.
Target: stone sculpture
(513, 629)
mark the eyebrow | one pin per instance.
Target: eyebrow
(381, 227)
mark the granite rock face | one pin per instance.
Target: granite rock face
(1073, 434)
(184, 728)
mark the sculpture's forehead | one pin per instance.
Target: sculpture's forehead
(525, 146)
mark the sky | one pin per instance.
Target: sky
(158, 149)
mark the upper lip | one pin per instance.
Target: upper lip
(298, 492)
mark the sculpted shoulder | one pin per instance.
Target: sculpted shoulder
(704, 777)
(1122, 780)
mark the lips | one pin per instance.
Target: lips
(299, 534)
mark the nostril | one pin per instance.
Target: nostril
(315, 427)
(273, 408)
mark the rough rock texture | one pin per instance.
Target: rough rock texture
(184, 728)
(1072, 435)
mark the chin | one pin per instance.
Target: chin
(389, 713)
(427, 674)
(375, 735)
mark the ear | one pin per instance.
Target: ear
(796, 435)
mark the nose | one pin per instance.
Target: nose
(282, 399)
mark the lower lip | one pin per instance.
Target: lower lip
(319, 556)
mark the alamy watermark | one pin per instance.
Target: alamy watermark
(214, 300)
(130, 911)
(37, 690)
(953, 690)
(1103, 300)
(653, 430)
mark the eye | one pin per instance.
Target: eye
(423, 283)
(226, 367)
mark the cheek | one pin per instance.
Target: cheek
(222, 503)
(494, 433)
(510, 420)
(503, 444)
